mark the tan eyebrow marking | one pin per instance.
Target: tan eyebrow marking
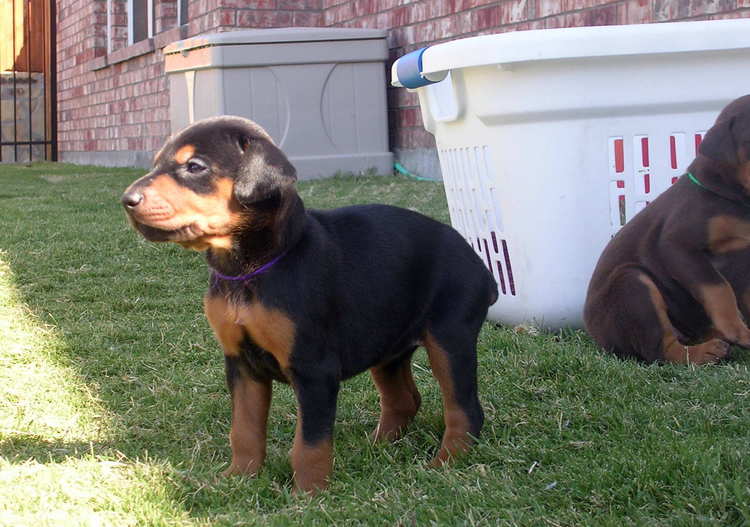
(184, 154)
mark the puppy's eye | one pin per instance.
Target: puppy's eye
(195, 166)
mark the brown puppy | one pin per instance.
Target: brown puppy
(312, 298)
(674, 284)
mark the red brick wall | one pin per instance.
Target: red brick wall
(107, 113)
(113, 108)
(119, 23)
(225, 15)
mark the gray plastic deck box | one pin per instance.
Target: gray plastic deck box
(319, 92)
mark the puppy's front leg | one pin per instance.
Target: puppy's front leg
(694, 271)
(720, 303)
(251, 399)
(312, 452)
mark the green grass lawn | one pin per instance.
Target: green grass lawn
(113, 408)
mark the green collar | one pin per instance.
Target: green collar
(696, 181)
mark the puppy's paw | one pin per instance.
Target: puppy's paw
(308, 487)
(242, 468)
(709, 352)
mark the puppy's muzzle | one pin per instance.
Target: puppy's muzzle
(146, 206)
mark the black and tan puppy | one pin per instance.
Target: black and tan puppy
(674, 284)
(311, 298)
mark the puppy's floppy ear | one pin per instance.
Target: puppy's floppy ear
(720, 143)
(264, 170)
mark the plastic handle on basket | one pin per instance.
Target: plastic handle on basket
(409, 70)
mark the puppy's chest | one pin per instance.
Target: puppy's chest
(251, 328)
(727, 233)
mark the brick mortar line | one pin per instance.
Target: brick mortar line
(536, 18)
(484, 7)
(264, 10)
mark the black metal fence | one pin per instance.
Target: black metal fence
(27, 81)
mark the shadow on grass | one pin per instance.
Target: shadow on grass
(118, 320)
(20, 447)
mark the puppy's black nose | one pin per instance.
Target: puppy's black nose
(132, 199)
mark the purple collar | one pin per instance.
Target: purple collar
(260, 270)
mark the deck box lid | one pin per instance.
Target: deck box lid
(274, 36)
(276, 47)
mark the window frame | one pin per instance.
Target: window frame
(136, 10)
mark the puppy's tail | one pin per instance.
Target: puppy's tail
(493, 294)
(491, 288)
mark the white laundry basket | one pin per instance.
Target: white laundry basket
(550, 140)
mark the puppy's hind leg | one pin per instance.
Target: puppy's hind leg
(672, 350)
(453, 360)
(399, 397)
(631, 319)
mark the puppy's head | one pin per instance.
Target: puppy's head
(727, 143)
(213, 179)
